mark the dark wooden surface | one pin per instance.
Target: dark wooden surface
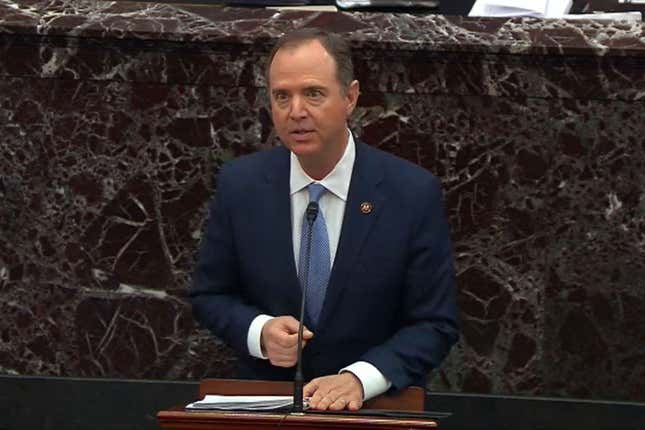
(220, 420)
(411, 399)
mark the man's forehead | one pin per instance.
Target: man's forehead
(294, 61)
(302, 84)
(304, 48)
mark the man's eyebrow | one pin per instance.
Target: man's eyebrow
(315, 87)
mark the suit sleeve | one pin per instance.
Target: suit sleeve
(216, 296)
(429, 324)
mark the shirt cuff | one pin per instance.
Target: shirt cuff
(373, 381)
(254, 336)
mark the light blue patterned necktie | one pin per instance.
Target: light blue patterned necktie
(319, 262)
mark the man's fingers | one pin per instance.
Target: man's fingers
(280, 340)
(310, 388)
(282, 325)
(323, 403)
(283, 361)
(335, 392)
(289, 324)
(284, 354)
(322, 398)
(314, 392)
(338, 405)
(354, 405)
(287, 340)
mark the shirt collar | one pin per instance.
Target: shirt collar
(336, 182)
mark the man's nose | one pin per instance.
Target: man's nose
(298, 108)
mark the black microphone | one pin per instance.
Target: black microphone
(298, 383)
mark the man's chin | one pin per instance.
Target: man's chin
(303, 149)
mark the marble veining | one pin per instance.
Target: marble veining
(199, 23)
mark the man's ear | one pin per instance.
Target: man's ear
(353, 91)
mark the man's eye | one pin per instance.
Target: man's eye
(314, 93)
(280, 97)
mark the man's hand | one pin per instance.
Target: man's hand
(279, 340)
(335, 392)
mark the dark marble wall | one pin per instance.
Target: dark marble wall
(115, 117)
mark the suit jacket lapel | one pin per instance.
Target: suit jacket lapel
(363, 188)
(278, 221)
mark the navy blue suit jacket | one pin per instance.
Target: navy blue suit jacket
(391, 295)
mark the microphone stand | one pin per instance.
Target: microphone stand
(298, 383)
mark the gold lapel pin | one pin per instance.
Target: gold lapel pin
(366, 207)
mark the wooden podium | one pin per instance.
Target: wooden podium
(410, 399)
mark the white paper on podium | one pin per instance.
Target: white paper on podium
(247, 403)
(531, 8)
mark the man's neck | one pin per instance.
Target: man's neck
(316, 169)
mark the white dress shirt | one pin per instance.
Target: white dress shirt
(332, 205)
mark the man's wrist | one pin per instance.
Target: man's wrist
(254, 336)
(372, 380)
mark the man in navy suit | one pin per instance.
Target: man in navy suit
(387, 313)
